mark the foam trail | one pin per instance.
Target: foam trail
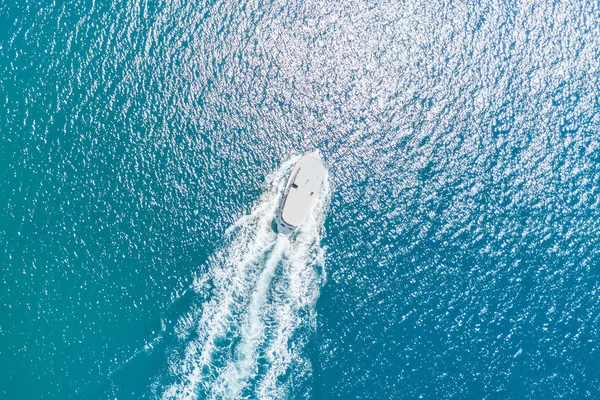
(299, 291)
(240, 369)
(262, 286)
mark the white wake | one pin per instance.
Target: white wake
(245, 340)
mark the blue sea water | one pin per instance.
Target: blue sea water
(454, 252)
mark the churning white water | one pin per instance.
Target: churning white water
(247, 338)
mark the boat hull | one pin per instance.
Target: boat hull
(301, 192)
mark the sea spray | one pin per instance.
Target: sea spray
(259, 289)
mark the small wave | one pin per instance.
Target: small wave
(244, 340)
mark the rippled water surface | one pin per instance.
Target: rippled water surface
(454, 252)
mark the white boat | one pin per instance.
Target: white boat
(300, 193)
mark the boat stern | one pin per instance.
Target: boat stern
(283, 227)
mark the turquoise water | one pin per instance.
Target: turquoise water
(454, 253)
